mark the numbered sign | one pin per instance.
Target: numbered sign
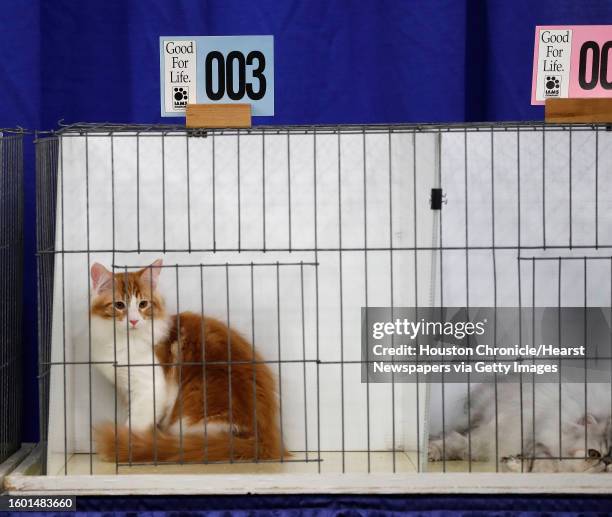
(572, 62)
(208, 69)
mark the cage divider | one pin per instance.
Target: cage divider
(438, 214)
(494, 263)
(467, 292)
(391, 300)
(316, 258)
(416, 290)
(365, 266)
(520, 298)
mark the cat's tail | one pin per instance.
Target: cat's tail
(149, 446)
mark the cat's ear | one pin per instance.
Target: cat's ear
(587, 419)
(582, 422)
(150, 274)
(577, 427)
(100, 277)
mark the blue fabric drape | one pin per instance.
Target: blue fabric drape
(337, 61)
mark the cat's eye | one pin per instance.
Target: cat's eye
(594, 453)
(119, 305)
(143, 304)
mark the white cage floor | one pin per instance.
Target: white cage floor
(331, 462)
(461, 466)
(288, 478)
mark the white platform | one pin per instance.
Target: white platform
(296, 478)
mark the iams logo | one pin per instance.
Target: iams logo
(180, 97)
(552, 86)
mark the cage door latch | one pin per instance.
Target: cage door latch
(437, 199)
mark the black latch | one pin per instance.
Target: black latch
(198, 132)
(437, 198)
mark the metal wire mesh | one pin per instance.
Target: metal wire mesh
(46, 184)
(11, 252)
(285, 233)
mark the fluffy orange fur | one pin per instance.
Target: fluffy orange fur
(231, 366)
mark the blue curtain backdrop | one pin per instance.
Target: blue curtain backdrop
(337, 61)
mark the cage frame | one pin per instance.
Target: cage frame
(345, 483)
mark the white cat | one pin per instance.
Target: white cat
(525, 431)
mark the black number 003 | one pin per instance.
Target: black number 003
(232, 83)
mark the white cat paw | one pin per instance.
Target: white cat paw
(511, 464)
(434, 451)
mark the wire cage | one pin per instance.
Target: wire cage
(11, 253)
(284, 234)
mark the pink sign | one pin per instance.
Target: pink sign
(571, 62)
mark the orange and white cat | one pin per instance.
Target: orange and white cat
(196, 390)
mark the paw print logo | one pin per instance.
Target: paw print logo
(552, 86)
(180, 97)
(181, 94)
(552, 82)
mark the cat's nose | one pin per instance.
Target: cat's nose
(133, 322)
